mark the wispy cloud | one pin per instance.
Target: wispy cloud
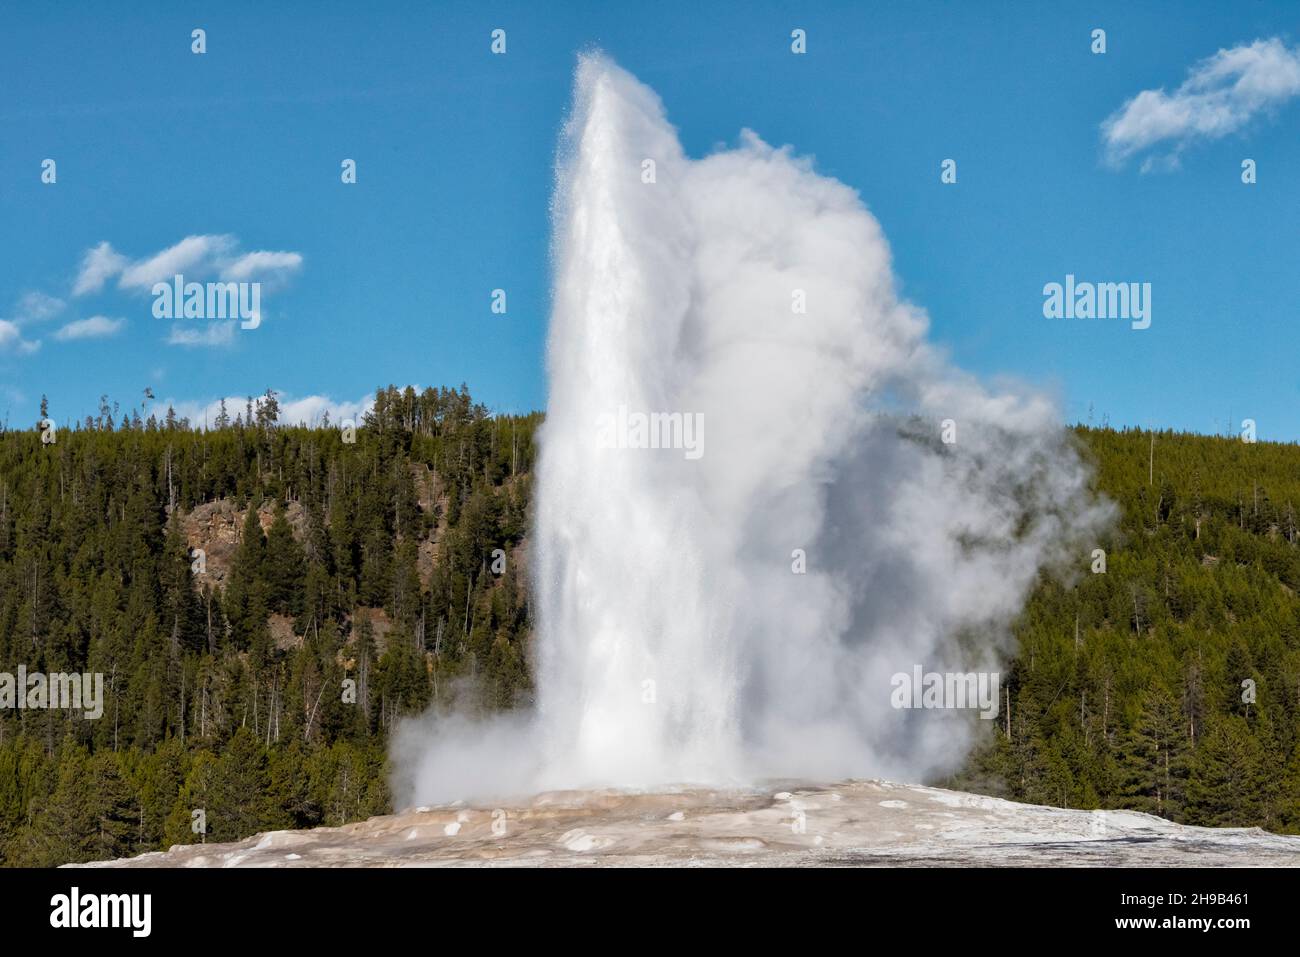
(12, 341)
(207, 335)
(261, 265)
(98, 265)
(37, 307)
(201, 257)
(96, 327)
(1221, 94)
(193, 253)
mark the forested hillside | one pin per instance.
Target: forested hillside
(1170, 683)
(264, 700)
(343, 579)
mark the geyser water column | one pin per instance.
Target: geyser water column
(737, 611)
(636, 672)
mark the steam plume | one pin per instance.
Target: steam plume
(676, 642)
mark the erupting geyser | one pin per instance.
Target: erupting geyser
(734, 608)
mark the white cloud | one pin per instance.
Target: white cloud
(208, 334)
(198, 257)
(12, 341)
(37, 306)
(259, 265)
(98, 265)
(96, 327)
(310, 409)
(193, 253)
(305, 410)
(1220, 96)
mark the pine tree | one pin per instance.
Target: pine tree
(246, 600)
(283, 566)
(237, 792)
(114, 807)
(1152, 758)
(1228, 776)
(161, 776)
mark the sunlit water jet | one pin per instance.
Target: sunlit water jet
(738, 613)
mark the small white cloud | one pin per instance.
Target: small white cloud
(96, 327)
(261, 265)
(199, 258)
(98, 265)
(193, 253)
(310, 410)
(12, 341)
(307, 410)
(209, 334)
(37, 307)
(1220, 96)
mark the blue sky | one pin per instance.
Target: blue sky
(390, 279)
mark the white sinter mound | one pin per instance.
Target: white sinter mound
(854, 822)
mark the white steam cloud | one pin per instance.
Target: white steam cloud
(675, 641)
